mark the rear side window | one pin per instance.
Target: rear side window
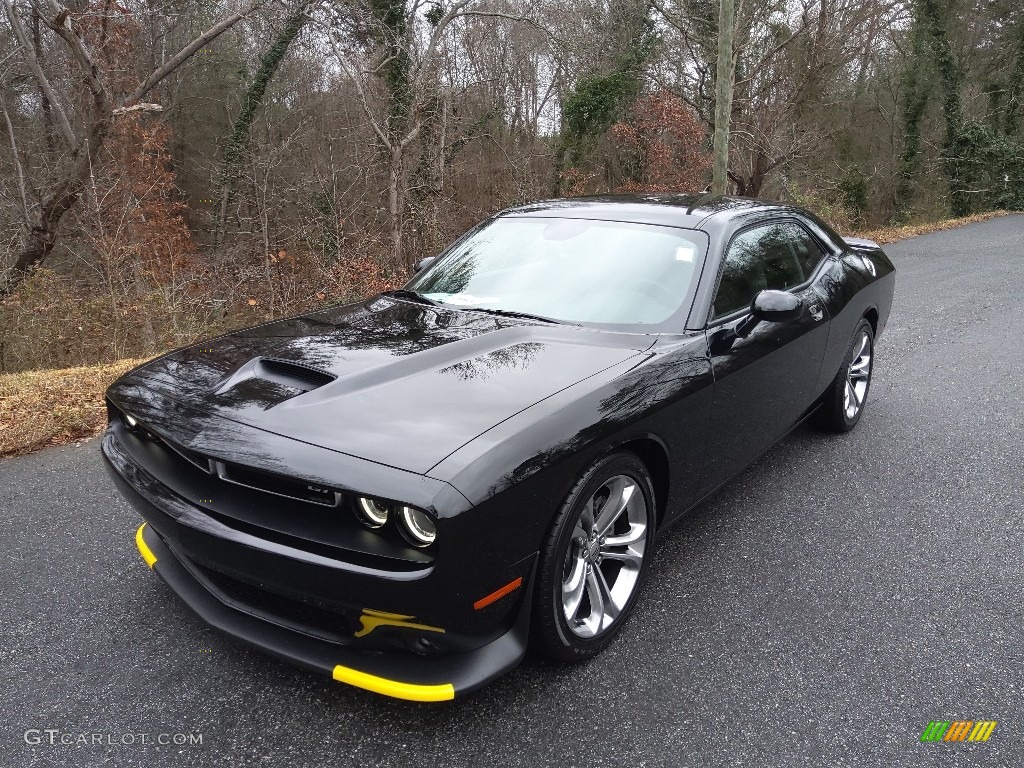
(827, 237)
(807, 250)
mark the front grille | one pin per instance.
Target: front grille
(192, 457)
(277, 485)
(292, 614)
(267, 482)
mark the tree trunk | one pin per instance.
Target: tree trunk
(146, 329)
(954, 163)
(44, 100)
(758, 173)
(396, 203)
(750, 186)
(865, 58)
(251, 103)
(1014, 104)
(723, 97)
(916, 90)
(45, 222)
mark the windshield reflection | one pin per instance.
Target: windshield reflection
(572, 270)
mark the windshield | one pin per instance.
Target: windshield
(571, 270)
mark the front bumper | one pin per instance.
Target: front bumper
(399, 676)
(307, 608)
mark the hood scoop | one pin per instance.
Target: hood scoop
(288, 378)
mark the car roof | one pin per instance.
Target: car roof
(677, 210)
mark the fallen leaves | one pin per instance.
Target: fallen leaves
(885, 235)
(54, 407)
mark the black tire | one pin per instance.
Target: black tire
(551, 632)
(835, 414)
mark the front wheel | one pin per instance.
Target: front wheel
(847, 395)
(595, 559)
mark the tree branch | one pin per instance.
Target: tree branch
(508, 16)
(62, 26)
(768, 56)
(354, 77)
(63, 124)
(17, 161)
(435, 38)
(185, 53)
(671, 18)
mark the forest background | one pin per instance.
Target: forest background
(170, 170)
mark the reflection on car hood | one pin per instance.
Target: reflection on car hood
(394, 382)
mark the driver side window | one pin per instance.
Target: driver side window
(758, 259)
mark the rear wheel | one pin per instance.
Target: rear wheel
(847, 395)
(594, 562)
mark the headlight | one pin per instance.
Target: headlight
(371, 513)
(129, 420)
(418, 529)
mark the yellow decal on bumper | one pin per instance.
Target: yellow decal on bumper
(372, 619)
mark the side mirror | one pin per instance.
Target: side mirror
(770, 307)
(424, 263)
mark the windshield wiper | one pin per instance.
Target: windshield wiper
(401, 293)
(512, 313)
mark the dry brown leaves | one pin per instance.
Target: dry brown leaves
(666, 141)
(885, 235)
(54, 407)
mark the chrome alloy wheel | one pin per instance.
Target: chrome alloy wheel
(603, 562)
(858, 375)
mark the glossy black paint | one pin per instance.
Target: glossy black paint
(484, 422)
(407, 367)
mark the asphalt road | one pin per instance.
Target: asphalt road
(821, 611)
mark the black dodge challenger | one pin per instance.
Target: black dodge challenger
(402, 492)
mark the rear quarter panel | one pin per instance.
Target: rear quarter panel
(853, 290)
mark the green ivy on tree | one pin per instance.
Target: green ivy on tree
(984, 169)
(252, 101)
(599, 100)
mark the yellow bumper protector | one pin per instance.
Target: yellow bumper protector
(393, 688)
(144, 550)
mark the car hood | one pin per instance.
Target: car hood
(391, 381)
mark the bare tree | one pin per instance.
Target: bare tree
(723, 96)
(84, 145)
(414, 40)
